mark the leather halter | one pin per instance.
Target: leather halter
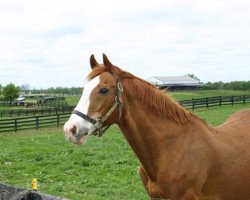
(98, 128)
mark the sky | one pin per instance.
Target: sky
(48, 43)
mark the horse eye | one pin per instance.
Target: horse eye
(103, 90)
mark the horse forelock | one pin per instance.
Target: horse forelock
(96, 72)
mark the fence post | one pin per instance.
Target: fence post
(232, 99)
(220, 100)
(193, 104)
(57, 120)
(206, 102)
(37, 122)
(15, 125)
(244, 99)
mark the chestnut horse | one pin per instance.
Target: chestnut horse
(182, 157)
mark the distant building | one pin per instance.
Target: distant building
(175, 82)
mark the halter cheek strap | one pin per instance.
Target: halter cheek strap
(98, 128)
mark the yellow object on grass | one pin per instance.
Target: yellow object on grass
(34, 184)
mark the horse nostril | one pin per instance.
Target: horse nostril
(73, 130)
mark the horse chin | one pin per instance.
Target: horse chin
(82, 140)
(78, 141)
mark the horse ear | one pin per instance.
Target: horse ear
(107, 63)
(93, 62)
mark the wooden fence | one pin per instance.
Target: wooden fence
(32, 112)
(38, 103)
(34, 122)
(215, 101)
(52, 104)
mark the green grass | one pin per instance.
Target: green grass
(186, 95)
(73, 100)
(217, 115)
(10, 108)
(103, 168)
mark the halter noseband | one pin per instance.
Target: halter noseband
(98, 128)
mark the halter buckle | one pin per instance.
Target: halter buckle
(119, 86)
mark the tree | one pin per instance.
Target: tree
(25, 88)
(1, 88)
(218, 85)
(193, 76)
(11, 92)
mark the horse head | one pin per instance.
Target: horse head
(99, 105)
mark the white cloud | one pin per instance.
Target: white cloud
(48, 43)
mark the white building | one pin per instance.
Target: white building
(175, 82)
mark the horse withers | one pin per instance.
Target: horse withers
(182, 157)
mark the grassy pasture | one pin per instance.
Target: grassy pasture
(73, 99)
(186, 95)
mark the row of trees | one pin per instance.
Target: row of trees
(25, 88)
(58, 90)
(234, 85)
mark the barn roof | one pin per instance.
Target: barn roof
(169, 81)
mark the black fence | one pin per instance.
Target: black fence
(215, 101)
(34, 122)
(51, 104)
(8, 103)
(33, 112)
(56, 103)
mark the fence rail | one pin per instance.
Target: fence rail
(30, 112)
(215, 101)
(37, 103)
(34, 122)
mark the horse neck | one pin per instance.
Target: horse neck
(149, 134)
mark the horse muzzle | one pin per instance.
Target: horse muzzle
(74, 134)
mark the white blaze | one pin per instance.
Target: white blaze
(82, 106)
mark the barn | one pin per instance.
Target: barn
(175, 82)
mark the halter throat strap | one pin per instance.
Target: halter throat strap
(98, 128)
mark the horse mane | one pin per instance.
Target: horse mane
(154, 99)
